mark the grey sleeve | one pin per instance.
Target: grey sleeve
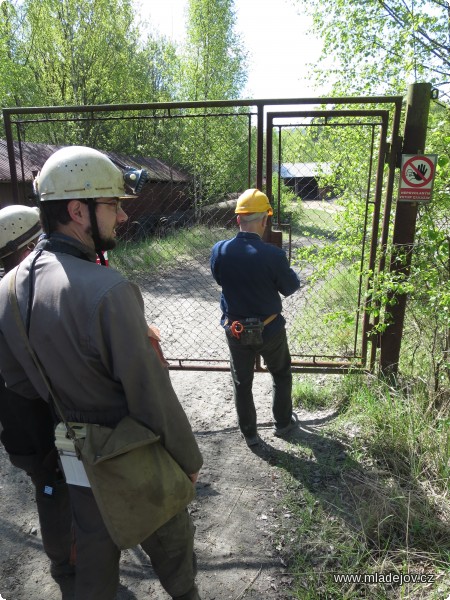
(121, 336)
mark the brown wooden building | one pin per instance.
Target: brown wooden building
(164, 198)
(305, 179)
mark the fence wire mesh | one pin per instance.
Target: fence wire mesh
(325, 184)
(323, 180)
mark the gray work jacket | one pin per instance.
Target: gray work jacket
(89, 331)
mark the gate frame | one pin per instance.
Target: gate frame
(377, 199)
(388, 153)
(259, 104)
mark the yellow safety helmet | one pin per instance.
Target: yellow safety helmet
(253, 201)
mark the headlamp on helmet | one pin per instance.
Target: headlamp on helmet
(135, 178)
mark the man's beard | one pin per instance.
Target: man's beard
(104, 243)
(107, 243)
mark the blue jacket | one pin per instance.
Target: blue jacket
(252, 274)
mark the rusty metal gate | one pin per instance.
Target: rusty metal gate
(327, 165)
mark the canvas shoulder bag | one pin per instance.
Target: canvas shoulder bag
(136, 483)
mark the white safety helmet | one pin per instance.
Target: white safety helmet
(19, 225)
(79, 172)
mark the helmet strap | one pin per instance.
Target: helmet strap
(95, 231)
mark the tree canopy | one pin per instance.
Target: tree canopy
(214, 62)
(379, 46)
(80, 52)
(374, 47)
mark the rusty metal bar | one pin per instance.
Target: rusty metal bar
(393, 163)
(376, 220)
(375, 227)
(279, 176)
(260, 147)
(290, 244)
(211, 104)
(193, 367)
(394, 154)
(319, 113)
(331, 370)
(135, 118)
(269, 155)
(11, 158)
(320, 357)
(364, 339)
(19, 139)
(249, 150)
(304, 366)
(268, 235)
(330, 366)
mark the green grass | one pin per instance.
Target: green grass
(368, 492)
(329, 314)
(316, 223)
(310, 395)
(154, 255)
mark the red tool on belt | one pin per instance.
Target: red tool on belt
(236, 329)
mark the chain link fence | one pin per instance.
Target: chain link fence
(327, 183)
(323, 181)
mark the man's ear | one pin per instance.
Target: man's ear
(76, 210)
(238, 219)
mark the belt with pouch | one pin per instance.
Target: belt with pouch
(250, 327)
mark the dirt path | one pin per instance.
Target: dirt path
(236, 511)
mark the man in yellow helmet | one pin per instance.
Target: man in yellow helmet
(252, 275)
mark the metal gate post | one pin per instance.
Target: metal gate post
(418, 105)
(260, 146)
(11, 157)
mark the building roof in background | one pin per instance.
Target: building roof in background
(309, 169)
(157, 169)
(34, 156)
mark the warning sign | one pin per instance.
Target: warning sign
(417, 177)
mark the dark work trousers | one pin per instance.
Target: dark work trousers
(275, 353)
(170, 549)
(55, 517)
(27, 432)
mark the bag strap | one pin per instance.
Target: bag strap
(12, 295)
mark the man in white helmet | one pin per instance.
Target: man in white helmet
(87, 326)
(252, 275)
(27, 426)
